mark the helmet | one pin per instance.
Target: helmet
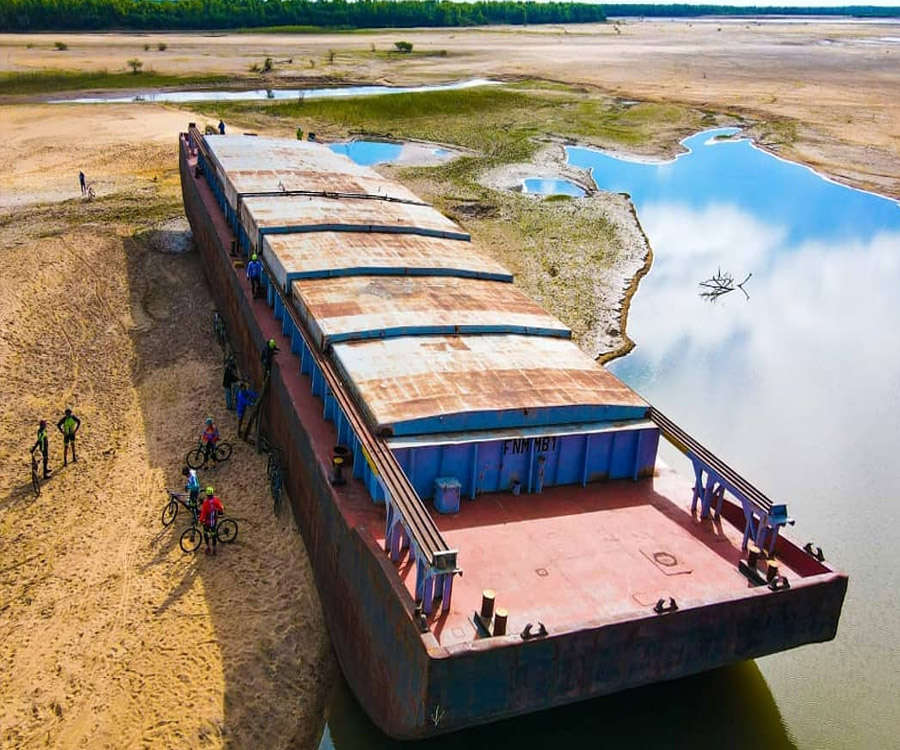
(209, 420)
(68, 412)
(271, 343)
(185, 471)
(209, 491)
(253, 257)
(43, 423)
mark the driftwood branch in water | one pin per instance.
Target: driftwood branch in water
(722, 283)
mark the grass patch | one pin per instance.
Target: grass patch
(50, 81)
(559, 249)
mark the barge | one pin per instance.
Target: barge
(489, 527)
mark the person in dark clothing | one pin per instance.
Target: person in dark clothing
(68, 426)
(83, 183)
(254, 273)
(268, 355)
(43, 444)
(221, 127)
(229, 378)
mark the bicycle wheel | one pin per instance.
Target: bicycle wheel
(196, 458)
(227, 530)
(190, 539)
(276, 493)
(35, 483)
(272, 465)
(169, 513)
(223, 451)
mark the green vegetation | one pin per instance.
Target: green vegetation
(558, 248)
(404, 47)
(135, 65)
(162, 46)
(61, 46)
(51, 81)
(97, 15)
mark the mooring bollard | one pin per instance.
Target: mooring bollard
(752, 556)
(500, 621)
(487, 604)
(771, 571)
(338, 475)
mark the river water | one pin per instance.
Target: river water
(270, 94)
(798, 387)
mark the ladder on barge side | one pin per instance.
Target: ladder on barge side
(763, 519)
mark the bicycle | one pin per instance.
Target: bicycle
(219, 328)
(35, 476)
(225, 531)
(276, 480)
(196, 458)
(170, 511)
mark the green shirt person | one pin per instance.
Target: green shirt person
(68, 426)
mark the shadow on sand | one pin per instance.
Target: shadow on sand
(267, 629)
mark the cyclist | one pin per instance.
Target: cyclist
(209, 517)
(268, 354)
(68, 426)
(210, 438)
(192, 486)
(254, 274)
(43, 444)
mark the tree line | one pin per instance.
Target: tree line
(101, 15)
(693, 11)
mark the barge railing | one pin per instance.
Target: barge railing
(408, 525)
(763, 518)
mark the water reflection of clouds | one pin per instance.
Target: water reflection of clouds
(798, 388)
(816, 346)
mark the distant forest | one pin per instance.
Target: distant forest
(102, 15)
(96, 15)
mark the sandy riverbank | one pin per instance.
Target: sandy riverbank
(110, 636)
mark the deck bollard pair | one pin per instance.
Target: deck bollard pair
(487, 614)
(750, 568)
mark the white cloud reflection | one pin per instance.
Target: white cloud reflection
(813, 355)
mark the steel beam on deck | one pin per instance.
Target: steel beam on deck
(417, 521)
(761, 515)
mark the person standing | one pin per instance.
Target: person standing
(229, 378)
(83, 183)
(268, 355)
(221, 127)
(43, 444)
(68, 426)
(254, 273)
(209, 518)
(192, 486)
(245, 398)
(210, 438)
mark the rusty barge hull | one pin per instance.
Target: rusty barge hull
(604, 635)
